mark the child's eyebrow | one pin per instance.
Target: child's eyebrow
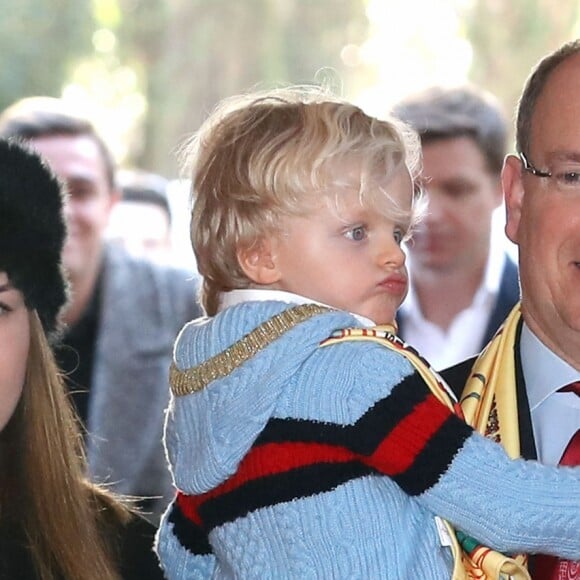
(6, 287)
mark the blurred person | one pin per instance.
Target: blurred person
(304, 440)
(123, 314)
(462, 281)
(527, 380)
(54, 524)
(141, 220)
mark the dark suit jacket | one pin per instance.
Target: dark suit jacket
(456, 377)
(508, 295)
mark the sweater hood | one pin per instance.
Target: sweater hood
(215, 427)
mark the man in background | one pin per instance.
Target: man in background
(462, 282)
(141, 221)
(123, 316)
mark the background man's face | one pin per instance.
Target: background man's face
(462, 195)
(78, 162)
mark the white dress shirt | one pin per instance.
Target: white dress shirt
(555, 416)
(444, 348)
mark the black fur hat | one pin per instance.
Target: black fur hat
(32, 231)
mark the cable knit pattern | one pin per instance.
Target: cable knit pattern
(309, 462)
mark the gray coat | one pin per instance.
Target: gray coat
(143, 307)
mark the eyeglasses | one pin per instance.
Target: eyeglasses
(565, 175)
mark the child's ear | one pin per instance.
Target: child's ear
(258, 262)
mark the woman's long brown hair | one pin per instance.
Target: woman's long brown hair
(43, 488)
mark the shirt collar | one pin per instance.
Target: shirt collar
(234, 297)
(544, 371)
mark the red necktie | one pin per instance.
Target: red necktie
(550, 567)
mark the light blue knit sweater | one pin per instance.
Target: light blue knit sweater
(303, 514)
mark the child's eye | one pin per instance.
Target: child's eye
(356, 234)
(398, 235)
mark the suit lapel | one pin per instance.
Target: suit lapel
(457, 375)
(527, 443)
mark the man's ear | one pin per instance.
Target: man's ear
(259, 263)
(513, 190)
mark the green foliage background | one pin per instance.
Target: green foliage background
(185, 55)
(39, 44)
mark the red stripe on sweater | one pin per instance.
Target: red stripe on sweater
(274, 458)
(399, 449)
(269, 459)
(188, 504)
(395, 454)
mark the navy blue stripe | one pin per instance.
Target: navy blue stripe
(190, 536)
(268, 491)
(364, 436)
(435, 458)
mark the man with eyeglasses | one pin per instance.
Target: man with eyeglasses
(524, 388)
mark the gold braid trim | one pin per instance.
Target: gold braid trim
(197, 378)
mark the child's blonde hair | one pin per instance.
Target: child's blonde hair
(264, 156)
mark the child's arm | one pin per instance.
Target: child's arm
(512, 506)
(357, 409)
(182, 547)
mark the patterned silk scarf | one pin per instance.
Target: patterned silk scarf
(492, 414)
(489, 405)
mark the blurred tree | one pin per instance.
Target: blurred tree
(508, 38)
(181, 56)
(40, 43)
(157, 67)
(192, 53)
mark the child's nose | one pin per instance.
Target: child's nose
(391, 253)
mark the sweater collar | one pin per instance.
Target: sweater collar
(234, 297)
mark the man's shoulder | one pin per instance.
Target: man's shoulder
(119, 261)
(166, 288)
